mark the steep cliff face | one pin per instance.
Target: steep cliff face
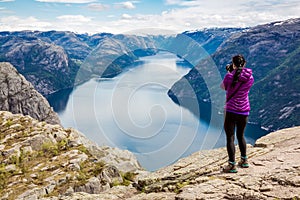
(272, 51)
(18, 96)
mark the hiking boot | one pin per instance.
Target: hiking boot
(230, 168)
(244, 162)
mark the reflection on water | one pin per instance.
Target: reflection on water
(133, 111)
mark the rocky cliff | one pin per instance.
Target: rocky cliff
(42, 161)
(18, 96)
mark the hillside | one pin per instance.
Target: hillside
(46, 65)
(42, 161)
(272, 52)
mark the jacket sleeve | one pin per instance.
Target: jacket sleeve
(226, 81)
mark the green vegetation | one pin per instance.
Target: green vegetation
(128, 178)
(49, 149)
(8, 123)
(180, 185)
(4, 175)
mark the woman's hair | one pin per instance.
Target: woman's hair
(239, 61)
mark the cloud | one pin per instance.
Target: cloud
(14, 23)
(172, 2)
(78, 24)
(74, 18)
(126, 5)
(66, 1)
(181, 2)
(182, 16)
(98, 6)
(126, 16)
(6, 1)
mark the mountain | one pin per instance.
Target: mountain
(211, 38)
(18, 96)
(272, 51)
(51, 60)
(56, 60)
(46, 65)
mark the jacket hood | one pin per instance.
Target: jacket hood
(245, 74)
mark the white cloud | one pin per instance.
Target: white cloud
(6, 1)
(181, 2)
(98, 6)
(66, 1)
(14, 23)
(74, 18)
(172, 2)
(126, 5)
(203, 14)
(126, 16)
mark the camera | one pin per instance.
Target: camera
(229, 67)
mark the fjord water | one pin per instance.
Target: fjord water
(133, 111)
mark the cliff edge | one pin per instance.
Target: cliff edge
(273, 174)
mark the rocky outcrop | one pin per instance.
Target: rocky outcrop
(18, 96)
(42, 161)
(38, 160)
(273, 172)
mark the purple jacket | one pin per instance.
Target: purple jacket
(239, 103)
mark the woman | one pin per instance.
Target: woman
(237, 85)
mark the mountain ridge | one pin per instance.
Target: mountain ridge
(81, 52)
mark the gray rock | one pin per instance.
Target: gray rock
(111, 174)
(93, 186)
(198, 176)
(19, 97)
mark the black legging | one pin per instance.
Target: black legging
(233, 120)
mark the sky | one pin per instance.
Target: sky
(117, 16)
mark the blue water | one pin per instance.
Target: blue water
(133, 111)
